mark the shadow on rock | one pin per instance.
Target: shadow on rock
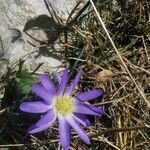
(52, 31)
(47, 24)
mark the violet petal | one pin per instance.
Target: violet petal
(88, 110)
(43, 93)
(44, 123)
(34, 107)
(64, 133)
(50, 116)
(78, 129)
(74, 83)
(63, 82)
(57, 76)
(89, 95)
(82, 119)
(47, 83)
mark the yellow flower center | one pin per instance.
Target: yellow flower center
(64, 105)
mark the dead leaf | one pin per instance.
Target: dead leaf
(104, 75)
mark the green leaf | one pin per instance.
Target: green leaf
(25, 80)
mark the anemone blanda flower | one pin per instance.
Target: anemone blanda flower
(59, 103)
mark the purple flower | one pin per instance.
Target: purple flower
(58, 103)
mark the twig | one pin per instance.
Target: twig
(103, 139)
(78, 14)
(2, 47)
(53, 13)
(98, 136)
(37, 68)
(15, 145)
(82, 51)
(120, 57)
(27, 144)
(125, 129)
(145, 48)
(72, 12)
(142, 69)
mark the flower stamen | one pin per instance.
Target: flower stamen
(64, 105)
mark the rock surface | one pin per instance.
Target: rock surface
(63, 8)
(22, 34)
(27, 31)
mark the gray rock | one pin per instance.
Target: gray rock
(25, 29)
(28, 32)
(63, 8)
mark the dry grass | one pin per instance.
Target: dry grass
(122, 72)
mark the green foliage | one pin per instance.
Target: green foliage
(25, 81)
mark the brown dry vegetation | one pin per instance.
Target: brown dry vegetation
(126, 124)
